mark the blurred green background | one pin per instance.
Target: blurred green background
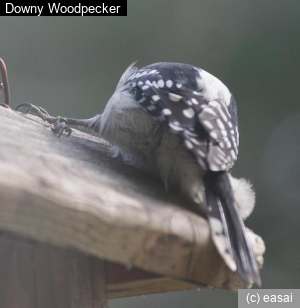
(71, 65)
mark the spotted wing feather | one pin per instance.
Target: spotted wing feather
(223, 134)
(206, 127)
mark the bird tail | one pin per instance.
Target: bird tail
(227, 227)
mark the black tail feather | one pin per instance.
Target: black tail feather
(228, 229)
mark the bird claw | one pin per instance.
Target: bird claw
(59, 124)
(60, 127)
(39, 111)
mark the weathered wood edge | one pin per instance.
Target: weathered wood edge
(35, 274)
(70, 193)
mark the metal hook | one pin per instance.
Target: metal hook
(5, 84)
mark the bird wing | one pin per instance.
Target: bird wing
(206, 127)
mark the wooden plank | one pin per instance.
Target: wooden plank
(98, 282)
(51, 277)
(17, 279)
(125, 282)
(36, 275)
(118, 274)
(56, 277)
(70, 193)
(148, 286)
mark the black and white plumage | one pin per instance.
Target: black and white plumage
(180, 122)
(205, 117)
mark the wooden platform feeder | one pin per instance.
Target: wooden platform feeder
(78, 227)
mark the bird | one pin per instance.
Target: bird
(180, 123)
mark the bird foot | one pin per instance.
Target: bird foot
(59, 123)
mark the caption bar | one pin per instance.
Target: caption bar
(281, 298)
(111, 8)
